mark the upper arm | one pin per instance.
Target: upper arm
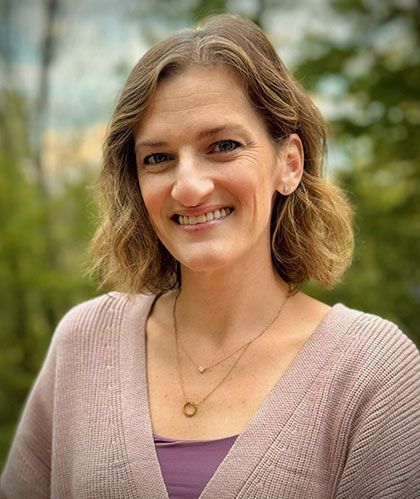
(384, 452)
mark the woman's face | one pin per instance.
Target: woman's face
(208, 170)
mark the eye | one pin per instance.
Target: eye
(226, 145)
(156, 158)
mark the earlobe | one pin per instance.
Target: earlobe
(292, 163)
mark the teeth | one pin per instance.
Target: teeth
(211, 215)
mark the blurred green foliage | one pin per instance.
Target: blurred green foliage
(37, 283)
(379, 70)
(43, 237)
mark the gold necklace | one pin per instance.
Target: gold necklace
(190, 408)
(202, 369)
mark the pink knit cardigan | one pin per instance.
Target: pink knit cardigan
(342, 422)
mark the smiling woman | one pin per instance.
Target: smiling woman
(315, 240)
(209, 373)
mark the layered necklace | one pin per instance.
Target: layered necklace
(189, 407)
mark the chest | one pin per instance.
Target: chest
(107, 411)
(226, 396)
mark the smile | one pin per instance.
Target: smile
(207, 217)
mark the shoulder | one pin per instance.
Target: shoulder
(372, 333)
(101, 312)
(377, 391)
(374, 348)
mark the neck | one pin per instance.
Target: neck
(229, 306)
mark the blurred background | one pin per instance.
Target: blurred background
(62, 65)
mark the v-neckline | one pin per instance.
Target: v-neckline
(273, 413)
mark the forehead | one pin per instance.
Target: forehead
(198, 96)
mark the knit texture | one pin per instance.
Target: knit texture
(342, 422)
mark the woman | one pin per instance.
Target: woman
(212, 375)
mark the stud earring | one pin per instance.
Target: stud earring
(285, 189)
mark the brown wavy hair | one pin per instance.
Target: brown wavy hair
(311, 228)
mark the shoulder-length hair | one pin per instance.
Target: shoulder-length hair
(311, 228)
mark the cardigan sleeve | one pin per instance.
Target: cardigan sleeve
(383, 459)
(28, 466)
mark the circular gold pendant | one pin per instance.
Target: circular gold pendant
(189, 409)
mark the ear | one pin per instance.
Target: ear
(292, 162)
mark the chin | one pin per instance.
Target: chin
(205, 262)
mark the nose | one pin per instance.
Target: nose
(192, 183)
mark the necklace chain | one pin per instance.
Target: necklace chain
(201, 369)
(190, 408)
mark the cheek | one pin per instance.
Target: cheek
(153, 196)
(153, 206)
(252, 187)
(240, 179)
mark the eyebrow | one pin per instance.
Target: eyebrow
(208, 132)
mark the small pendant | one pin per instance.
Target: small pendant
(189, 409)
(201, 369)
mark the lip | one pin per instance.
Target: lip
(202, 226)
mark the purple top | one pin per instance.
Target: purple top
(187, 465)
